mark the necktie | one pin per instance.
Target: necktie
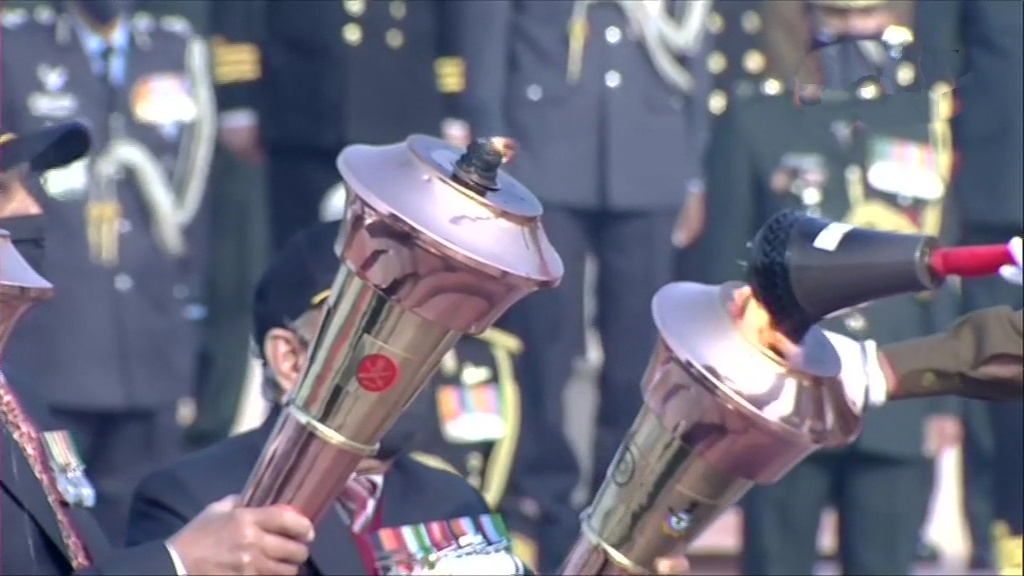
(359, 500)
(27, 437)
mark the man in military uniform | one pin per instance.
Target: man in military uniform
(305, 78)
(609, 109)
(854, 146)
(501, 447)
(988, 188)
(409, 488)
(115, 350)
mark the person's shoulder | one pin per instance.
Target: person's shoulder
(203, 469)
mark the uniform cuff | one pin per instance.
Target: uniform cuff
(238, 118)
(877, 387)
(179, 566)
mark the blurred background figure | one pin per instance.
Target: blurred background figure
(608, 101)
(298, 81)
(767, 153)
(115, 351)
(989, 192)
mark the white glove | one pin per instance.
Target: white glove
(1010, 272)
(861, 374)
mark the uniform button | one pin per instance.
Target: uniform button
(124, 226)
(352, 34)
(354, 8)
(754, 61)
(394, 38)
(715, 23)
(612, 78)
(397, 9)
(717, 62)
(811, 196)
(905, 74)
(856, 323)
(534, 92)
(718, 101)
(612, 34)
(123, 282)
(750, 21)
(180, 291)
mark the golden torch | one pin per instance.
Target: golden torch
(434, 245)
(728, 402)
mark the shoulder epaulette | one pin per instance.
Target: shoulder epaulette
(176, 25)
(14, 18)
(143, 22)
(501, 339)
(235, 62)
(435, 462)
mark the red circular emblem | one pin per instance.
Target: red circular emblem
(376, 373)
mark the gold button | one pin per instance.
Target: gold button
(750, 21)
(718, 101)
(717, 62)
(715, 23)
(870, 91)
(772, 87)
(856, 323)
(394, 38)
(352, 34)
(354, 8)
(929, 379)
(753, 61)
(905, 74)
(397, 9)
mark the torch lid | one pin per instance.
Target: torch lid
(17, 275)
(803, 401)
(460, 199)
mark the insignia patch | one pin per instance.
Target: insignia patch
(905, 168)
(67, 182)
(52, 102)
(69, 470)
(473, 411)
(163, 100)
(411, 548)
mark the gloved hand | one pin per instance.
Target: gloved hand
(861, 373)
(1010, 272)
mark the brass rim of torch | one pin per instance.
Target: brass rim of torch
(330, 436)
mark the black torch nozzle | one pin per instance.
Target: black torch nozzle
(802, 269)
(478, 166)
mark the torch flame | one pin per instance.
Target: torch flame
(505, 146)
(757, 326)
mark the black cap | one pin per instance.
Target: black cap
(298, 279)
(44, 149)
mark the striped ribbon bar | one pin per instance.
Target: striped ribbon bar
(406, 549)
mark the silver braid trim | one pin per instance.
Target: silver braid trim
(669, 35)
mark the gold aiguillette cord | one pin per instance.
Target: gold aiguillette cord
(103, 219)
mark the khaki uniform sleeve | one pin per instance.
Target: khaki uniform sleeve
(963, 360)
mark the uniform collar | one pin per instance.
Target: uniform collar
(95, 44)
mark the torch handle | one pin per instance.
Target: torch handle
(970, 261)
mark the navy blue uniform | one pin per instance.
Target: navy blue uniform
(322, 75)
(413, 493)
(115, 350)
